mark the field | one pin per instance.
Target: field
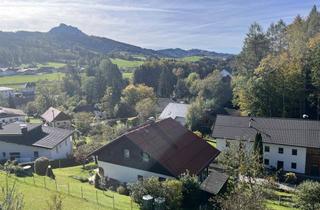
(127, 75)
(17, 80)
(76, 195)
(191, 58)
(48, 64)
(121, 63)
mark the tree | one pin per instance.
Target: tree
(190, 190)
(167, 81)
(81, 152)
(258, 147)
(109, 101)
(82, 121)
(195, 114)
(255, 48)
(308, 194)
(145, 108)
(312, 24)
(277, 37)
(134, 93)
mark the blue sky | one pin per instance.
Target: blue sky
(218, 25)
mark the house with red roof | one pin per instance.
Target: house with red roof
(163, 149)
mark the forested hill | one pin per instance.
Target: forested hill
(65, 43)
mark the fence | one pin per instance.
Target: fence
(105, 199)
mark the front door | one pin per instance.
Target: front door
(279, 165)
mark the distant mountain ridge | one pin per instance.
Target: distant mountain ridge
(66, 42)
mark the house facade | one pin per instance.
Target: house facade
(56, 118)
(6, 92)
(164, 149)
(8, 115)
(289, 144)
(27, 142)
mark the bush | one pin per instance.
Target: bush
(190, 190)
(97, 181)
(41, 165)
(290, 178)
(122, 190)
(13, 168)
(308, 195)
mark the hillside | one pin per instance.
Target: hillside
(67, 43)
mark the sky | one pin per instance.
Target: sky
(217, 25)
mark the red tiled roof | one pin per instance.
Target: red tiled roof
(176, 148)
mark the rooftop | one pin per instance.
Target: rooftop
(171, 145)
(53, 114)
(35, 135)
(175, 110)
(5, 89)
(284, 131)
(9, 112)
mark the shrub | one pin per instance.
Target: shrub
(290, 178)
(190, 190)
(122, 190)
(97, 181)
(308, 194)
(41, 165)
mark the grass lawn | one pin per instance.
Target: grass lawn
(34, 120)
(285, 204)
(21, 79)
(37, 195)
(191, 58)
(127, 75)
(48, 64)
(126, 63)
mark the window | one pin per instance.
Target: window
(4, 154)
(227, 144)
(266, 161)
(140, 178)
(266, 148)
(14, 155)
(294, 151)
(36, 154)
(280, 150)
(145, 157)
(279, 165)
(293, 165)
(161, 179)
(126, 153)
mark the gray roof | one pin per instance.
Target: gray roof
(37, 135)
(9, 112)
(284, 131)
(214, 182)
(174, 110)
(53, 114)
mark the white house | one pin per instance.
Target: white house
(26, 142)
(176, 111)
(290, 144)
(164, 149)
(56, 118)
(8, 115)
(6, 92)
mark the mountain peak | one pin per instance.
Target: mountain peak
(64, 29)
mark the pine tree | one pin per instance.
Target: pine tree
(258, 146)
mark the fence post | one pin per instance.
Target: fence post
(44, 182)
(56, 185)
(81, 192)
(68, 189)
(113, 201)
(34, 181)
(97, 197)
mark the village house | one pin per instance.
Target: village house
(176, 111)
(8, 115)
(56, 118)
(289, 144)
(29, 88)
(26, 142)
(163, 149)
(6, 92)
